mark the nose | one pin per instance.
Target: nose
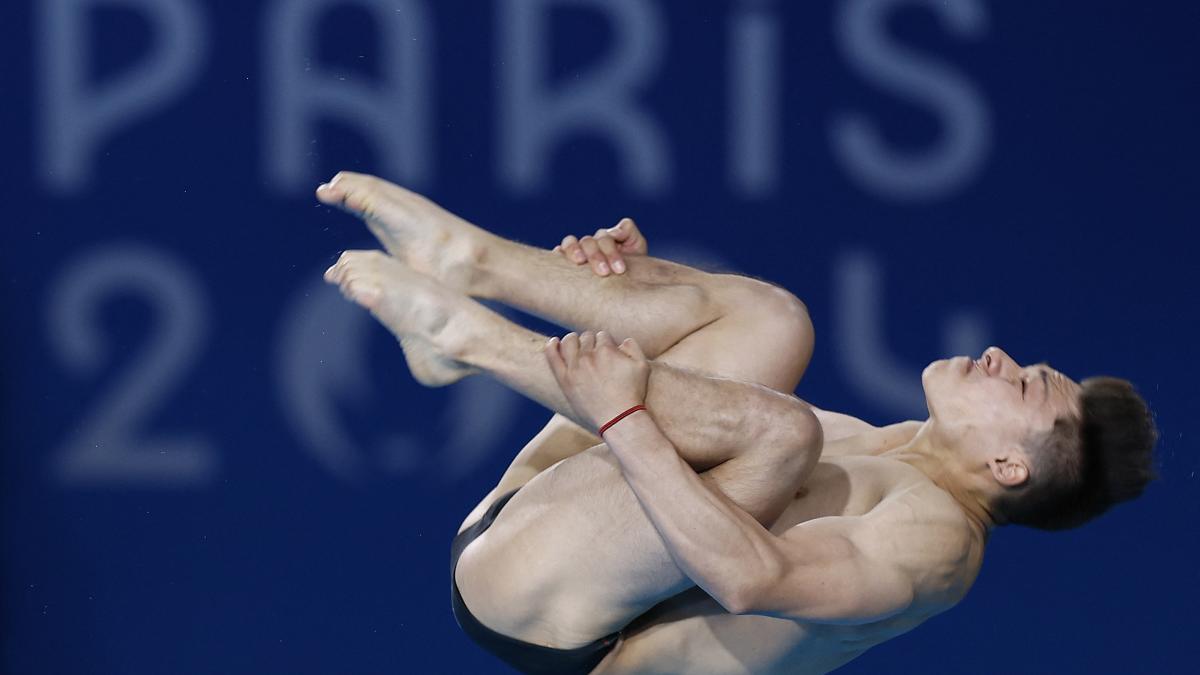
(997, 362)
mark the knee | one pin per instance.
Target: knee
(780, 322)
(797, 438)
(788, 315)
(772, 305)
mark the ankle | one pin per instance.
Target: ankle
(493, 259)
(473, 335)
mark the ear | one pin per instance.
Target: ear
(1010, 470)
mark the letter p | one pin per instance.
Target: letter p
(77, 115)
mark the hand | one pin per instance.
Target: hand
(599, 378)
(606, 249)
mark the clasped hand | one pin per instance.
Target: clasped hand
(600, 378)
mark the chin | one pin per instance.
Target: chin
(934, 368)
(937, 380)
(929, 370)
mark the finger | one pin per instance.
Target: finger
(627, 233)
(555, 359)
(564, 249)
(597, 260)
(631, 347)
(570, 349)
(587, 341)
(569, 252)
(570, 247)
(604, 340)
(622, 230)
(608, 247)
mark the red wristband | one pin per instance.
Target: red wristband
(620, 417)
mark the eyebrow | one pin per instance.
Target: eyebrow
(1044, 368)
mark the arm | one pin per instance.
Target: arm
(817, 574)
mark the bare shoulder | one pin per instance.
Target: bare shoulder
(922, 531)
(837, 425)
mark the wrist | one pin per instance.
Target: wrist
(636, 439)
(619, 418)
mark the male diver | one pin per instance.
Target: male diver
(719, 524)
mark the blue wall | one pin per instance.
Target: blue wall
(212, 464)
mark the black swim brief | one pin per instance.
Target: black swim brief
(524, 656)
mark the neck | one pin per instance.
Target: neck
(943, 468)
(868, 441)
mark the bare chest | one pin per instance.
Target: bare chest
(844, 486)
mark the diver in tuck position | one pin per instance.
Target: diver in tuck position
(727, 527)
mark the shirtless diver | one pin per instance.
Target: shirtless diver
(727, 527)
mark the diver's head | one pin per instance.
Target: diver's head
(1040, 449)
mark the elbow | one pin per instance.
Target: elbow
(807, 434)
(746, 596)
(737, 603)
(802, 440)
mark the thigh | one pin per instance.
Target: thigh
(559, 439)
(573, 557)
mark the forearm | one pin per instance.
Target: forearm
(715, 543)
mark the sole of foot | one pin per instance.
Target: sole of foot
(428, 238)
(423, 315)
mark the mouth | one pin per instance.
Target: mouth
(970, 365)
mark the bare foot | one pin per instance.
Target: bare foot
(428, 238)
(426, 317)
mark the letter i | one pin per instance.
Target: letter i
(754, 98)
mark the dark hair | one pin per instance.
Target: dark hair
(1085, 465)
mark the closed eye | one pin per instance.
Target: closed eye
(1022, 388)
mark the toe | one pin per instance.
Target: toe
(329, 194)
(342, 176)
(364, 293)
(346, 263)
(355, 192)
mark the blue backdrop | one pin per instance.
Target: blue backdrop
(211, 464)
